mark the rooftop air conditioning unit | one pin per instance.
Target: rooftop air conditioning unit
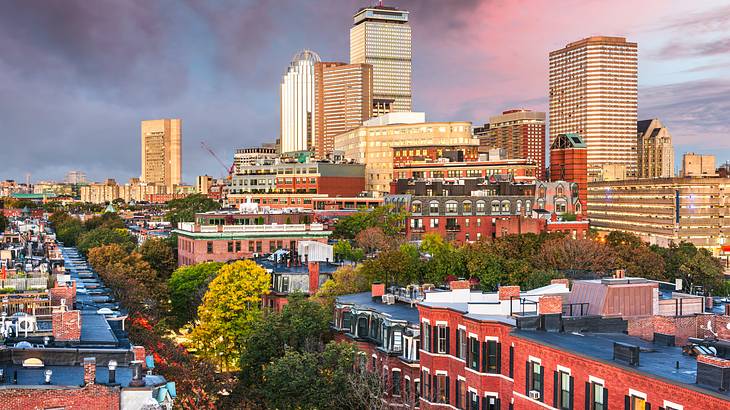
(534, 395)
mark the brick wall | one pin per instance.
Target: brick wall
(505, 292)
(550, 304)
(682, 327)
(66, 325)
(68, 293)
(90, 397)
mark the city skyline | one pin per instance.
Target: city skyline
(226, 60)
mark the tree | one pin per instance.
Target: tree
(635, 256)
(188, 285)
(576, 258)
(373, 239)
(401, 266)
(703, 270)
(184, 209)
(159, 254)
(345, 280)
(445, 259)
(104, 236)
(230, 307)
(106, 220)
(3, 222)
(387, 218)
(344, 251)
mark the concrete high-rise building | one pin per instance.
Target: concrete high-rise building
(381, 37)
(203, 184)
(521, 133)
(75, 177)
(343, 99)
(298, 125)
(696, 165)
(593, 92)
(568, 162)
(162, 152)
(654, 150)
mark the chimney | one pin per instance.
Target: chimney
(378, 290)
(459, 284)
(548, 305)
(112, 371)
(563, 281)
(313, 277)
(507, 292)
(619, 274)
(66, 325)
(89, 370)
(137, 376)
(139, 353)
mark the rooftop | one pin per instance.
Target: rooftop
(396, 311)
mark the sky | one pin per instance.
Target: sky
(77, 76)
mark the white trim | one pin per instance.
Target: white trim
(489, 374)
(637, 393)
(673, 405)
(462, 327)
(563, 369)
(473, 335)
(385, 367)
(447, 405)
(426, 369)
(547, 406)
(534, 359)
(418, 380)
(442, 322)
(513, 344)
(494, 338)
(593, 379)
(395, 369)
(425, 321)
(441, 373)
(407, 378)
(461, 378)
(374, 355)
(491, 394)
(472, 390)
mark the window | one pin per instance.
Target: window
(492, 358)
(250, 246)
(416, 207)
(434, 223)
(473, 401)
(474, 353)
(417, 389)
(451, 207)
(495, 207)
(230, 246)
(491, 403)
(637, 403)
(426, 337)
(505, 206)
(480, 207)
(433, 208)
(466, 207)
(442, 388)
(210, 247)
(238, 246)
(285, 284)
(461, 344)
(427, 385)
(563, 390)
(346, 318)
(395, 389)
(598, 396)
(461, 394)
(535, 379)
(442, 339)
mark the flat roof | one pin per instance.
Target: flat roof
(654, 360)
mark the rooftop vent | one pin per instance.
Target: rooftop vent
(627, 353)
(713, 372)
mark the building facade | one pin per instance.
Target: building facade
(521, 133)
(162, 152)
(373, 143)
(333, 179)
(244, 157)
(593, 92)
(654, 150)
(319, 202)
(568, 162)
(298, 122)
(697, 165)
(343, 99)
(664, 210)
(381, 37)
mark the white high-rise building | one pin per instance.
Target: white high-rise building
(381, 37)
(298, 103)
(593, 92)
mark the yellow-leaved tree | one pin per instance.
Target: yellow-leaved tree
(229, 309)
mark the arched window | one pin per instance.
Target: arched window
(505, 207)
(528, 206)
(540, 203)
(416, 207)
(481, 207)
(495, 207)
(466, 207)
(518, 207)
(541, 191)
(578, 208)
(433, 208)
(452, 207)
(559, 190)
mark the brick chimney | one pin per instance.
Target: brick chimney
(377, 290)
(506, 292)
(66, 325)
(139, 353)
(459, 284)
(564, 281)
(619, 274)
(547, 305)
(89, 370)
(67, 293)
(313, 277)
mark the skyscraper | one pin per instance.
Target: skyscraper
(593, 92)
(344, 99)
(521, 133)
(162, 152)
(298, 126)
(381, 36)
(654, 150)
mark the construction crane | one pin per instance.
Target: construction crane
(229, 170)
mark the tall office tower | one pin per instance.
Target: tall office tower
(298, 127)
(75, 177)
(568, 162)
(343, 99)
(593, 92)
(381, 36)
(654, 150)
(521, 133)
(162, 152)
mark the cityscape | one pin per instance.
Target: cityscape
(566, 251)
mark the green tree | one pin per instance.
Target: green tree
(445, 259)
(105, 236)
(576, 258)
(187, 286)
(344, 251)
(702, 270)
(69, 230)
(3, 222)
(345, 280)
(389, 219)
(635, 256)
(159, 254)
(230, 307)
(184, 209)
(107, 220)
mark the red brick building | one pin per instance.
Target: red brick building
(569, 162)
(305, 201)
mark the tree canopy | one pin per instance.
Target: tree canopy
(160, 255)
(106, 236)
(389, 219)
(187, 286)
(184, 209)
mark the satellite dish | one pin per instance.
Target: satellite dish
(23, 345)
